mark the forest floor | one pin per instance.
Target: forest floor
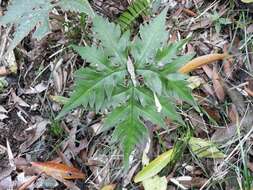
(41, 76)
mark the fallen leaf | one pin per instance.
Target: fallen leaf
(194, 182)
(2, 149)
(37, 89)
(227, 65)
(204, 23)
(208, 70)
(233, 114)
(10, 155)
(247, 1)
(38, 129)
(3, 110)
(204, 148)
(4, 71)
(249, 88)
(222, 135)
(212, 112)
(217, 85)
(250, 166)
(155, 183)
(249, 91)
(250, 29)
(109, 187)
(177, 183)
(55, 170)
(59, 76)
(3, 116)
(194, 82)
(11, 62)
(154, 167)
(236, 98)
(17, 100)
(189, 12)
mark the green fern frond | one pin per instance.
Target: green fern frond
(111, 39)
(135, 10)
(152, 37)
(27, 15)
(93, 88)
(130, 132)
(78, 6)
(33, 15)
(108, 83)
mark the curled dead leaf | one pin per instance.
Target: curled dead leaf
(217, 85)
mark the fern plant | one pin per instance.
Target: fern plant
(26, 15)
(135, 9)
(136, 80)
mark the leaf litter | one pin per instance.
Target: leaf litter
(42, 77)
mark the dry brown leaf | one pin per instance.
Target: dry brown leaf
(212, 112)
(217, 85)
(233, 114)
(198, 123)
(227, 65)
(207, 88)
(195, 182)
(249, 91)
(208, 71)
(249, 88)
(225, 134)
(59, 76)
(37, 130)
(10, 155)
(250, 166)
(4, 71)
(189, 12)
(250, 29)
(236, 98)
(204, 23)
(17, 100)
(37, 89)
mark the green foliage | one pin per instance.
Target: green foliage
(169, 157)
(56, 129)
(27, 15)
(135, 9)
(219, 21)
(130, 78)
